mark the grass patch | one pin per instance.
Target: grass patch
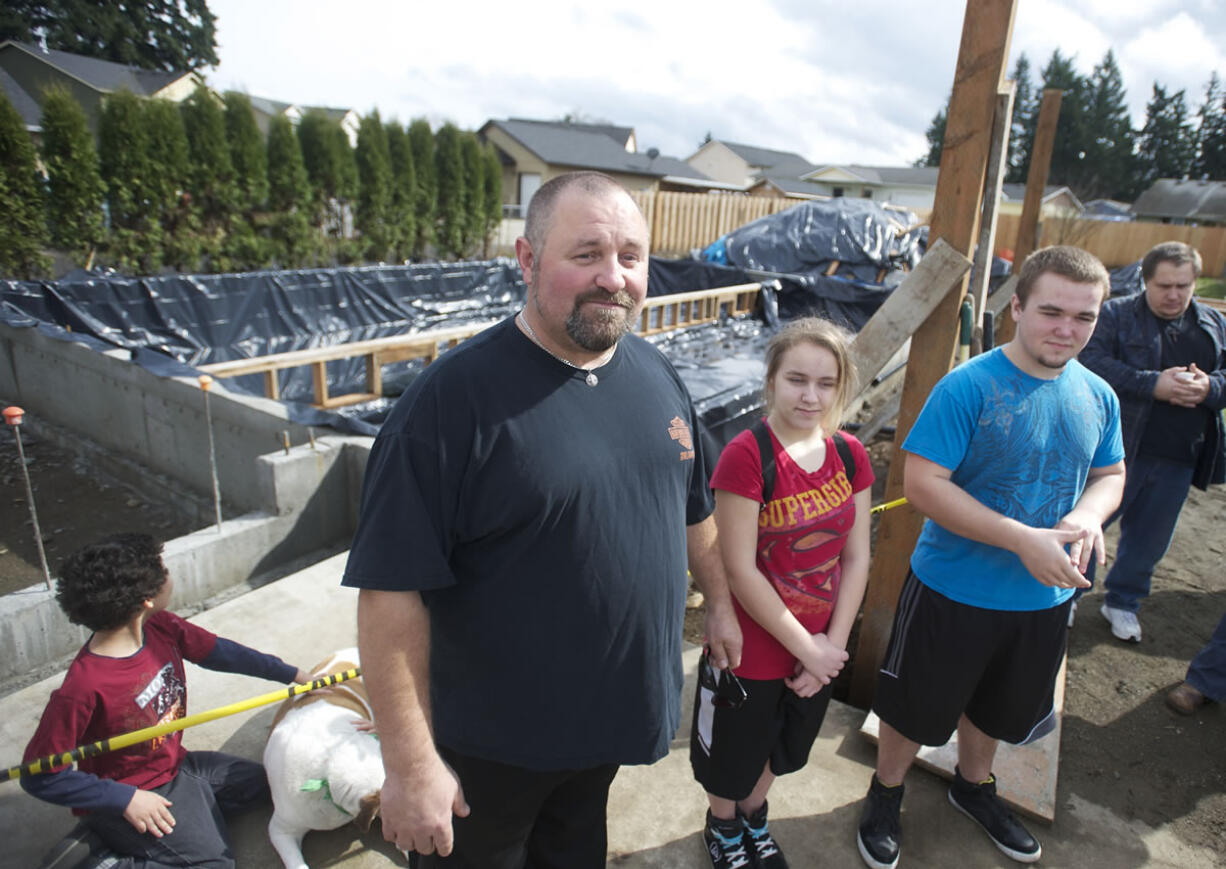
(1213, 287)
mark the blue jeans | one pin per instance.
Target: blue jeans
(1154, 492)
(1207, 672)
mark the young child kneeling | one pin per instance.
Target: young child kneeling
(129, 676)
(792, 509)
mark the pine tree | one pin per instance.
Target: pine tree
(23, 228)
(374, 202)
(1074, 138)
(332, 170)
(169, 179)
(403, 218)
(1109, 162)
(135, 240)
(247, 152)
(493, 192)
(473, 233)
(936, 137)
(171, 35)
(449, 159)
(425, 192)
(289, 196)
(75, 191)
(213, 187)
(1025, 117)
(1211, 133)
(1166, 146)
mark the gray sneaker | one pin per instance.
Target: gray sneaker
(1124, 624)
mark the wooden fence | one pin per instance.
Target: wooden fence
(681, 222)
(1118, 243)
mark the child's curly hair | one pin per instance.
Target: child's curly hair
(104, 584)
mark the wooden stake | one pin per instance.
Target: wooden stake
(986, 32)
(1036, 182)
(997, 162)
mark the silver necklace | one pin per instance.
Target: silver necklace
(590, 380)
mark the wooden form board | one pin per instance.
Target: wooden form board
(659, 314)
(982, 57)
(910, 303)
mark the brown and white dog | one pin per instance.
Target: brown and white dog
(323, 771)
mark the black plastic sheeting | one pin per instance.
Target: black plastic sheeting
(172, 324)
(177, 322)
(874, 247)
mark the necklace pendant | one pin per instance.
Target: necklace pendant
(591, 379)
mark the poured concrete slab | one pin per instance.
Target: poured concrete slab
(655, 812)
(1025, 774)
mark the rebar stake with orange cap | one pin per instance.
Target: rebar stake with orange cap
(205, 382)
(13, 416)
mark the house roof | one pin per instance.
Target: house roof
(1189, 200)
(916, 176)
(26, 105)
(101, 75)
(589, 146)
(792, 186)
(1017, 192)
(267, 106)
(770, 162)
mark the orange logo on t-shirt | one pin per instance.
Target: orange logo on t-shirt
(680, 432)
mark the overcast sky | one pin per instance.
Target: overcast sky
(837, 82)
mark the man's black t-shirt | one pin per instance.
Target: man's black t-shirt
(544, 522)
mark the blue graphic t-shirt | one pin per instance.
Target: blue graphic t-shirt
(1023, 447)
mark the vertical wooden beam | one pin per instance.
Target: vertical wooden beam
(997, 162)
(987, 29)
(1036, 181)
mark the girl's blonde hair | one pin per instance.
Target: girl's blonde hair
(828, 336)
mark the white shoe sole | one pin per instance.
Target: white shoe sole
(868, 858)
(1126, 636)
(1004, 849)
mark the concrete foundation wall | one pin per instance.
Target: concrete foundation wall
(311, 500)
(151, 431)
(156, 421)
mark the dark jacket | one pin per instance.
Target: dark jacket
(1126, 351)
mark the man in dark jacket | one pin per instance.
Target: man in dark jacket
(1165, 355)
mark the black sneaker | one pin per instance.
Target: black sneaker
(879, 836)
(726, 845)
(980, 803)
(764, 845)
(80, 849)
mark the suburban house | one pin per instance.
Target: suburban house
(532, 152)
(1056, 202)
(907, 186)
(745, 165)
(27, 70)
(1171, 200)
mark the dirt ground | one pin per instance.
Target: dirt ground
(1122, 748)
(75, 506)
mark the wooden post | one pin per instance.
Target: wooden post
(997, 161)
(1036, 181)
(987, 29)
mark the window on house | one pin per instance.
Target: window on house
(867, 193)
(838, 191)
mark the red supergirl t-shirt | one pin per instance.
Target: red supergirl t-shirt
(801, 534)
(103, 697)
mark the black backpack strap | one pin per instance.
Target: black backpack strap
(766, 452)
(849, 461)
